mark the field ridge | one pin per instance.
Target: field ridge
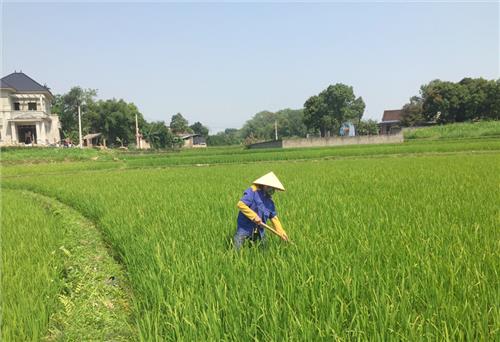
(75, 167)
(96, 297)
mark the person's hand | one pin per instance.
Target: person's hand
(284, 237)
(257, 220)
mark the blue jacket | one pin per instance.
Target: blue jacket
(261, 203)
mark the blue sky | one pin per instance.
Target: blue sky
(221, 63)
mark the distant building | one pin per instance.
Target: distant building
(192, 140)
(143, 143)
(25, 112)
(391, 122)
(93, 139)
(347, 129)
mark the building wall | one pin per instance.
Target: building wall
(339, 141)
(145, 145)
(4, 114)
(53, 135)
(5, 103)
(390, 128)
(47, 131)
(188, 143)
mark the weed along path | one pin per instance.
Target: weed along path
(95, 298)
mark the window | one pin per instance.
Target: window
(31, 105)
(17, 106)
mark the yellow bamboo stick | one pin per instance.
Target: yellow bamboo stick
(274, 231)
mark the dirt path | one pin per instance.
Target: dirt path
(96, 298)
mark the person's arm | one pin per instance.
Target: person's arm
(244, 205)
(245, 209)
(279, 228)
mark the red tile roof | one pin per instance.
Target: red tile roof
(392, 115)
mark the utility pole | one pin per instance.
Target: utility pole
(137, 138)
(80, 143)
(276, 130)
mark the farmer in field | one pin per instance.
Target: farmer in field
(256, 207)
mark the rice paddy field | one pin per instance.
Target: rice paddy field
(28, 267)
(391, 242)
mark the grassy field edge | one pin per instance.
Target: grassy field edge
(458, 130)
(95, 299)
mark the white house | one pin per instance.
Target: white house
(25, 112)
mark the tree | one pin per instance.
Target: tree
(471, 99)
(66, 106)
(230, 136)
(178, 124)
(116, 119)
(480, 97)
(367, 127)
(441, 101)
(158, 135)
(314, 112)
(492, 102)
(412, 113)
(333, 106)
(198, 128)
(291, 123)
(262, 125)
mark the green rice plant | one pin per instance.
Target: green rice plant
(235, 156)
(462, 130)
(31, 263)
(10, 155)
(399, 248)
(56, 272)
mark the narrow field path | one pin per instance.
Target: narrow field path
(96, 298)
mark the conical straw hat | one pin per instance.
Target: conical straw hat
(271, 180)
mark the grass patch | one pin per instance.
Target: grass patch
(11, 155)
(455, 131)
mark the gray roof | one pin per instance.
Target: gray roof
(185, 136)
(22, 82)
(92, 136)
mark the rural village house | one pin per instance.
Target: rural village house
(25, 112)
(192, 140)
(93, 139)
(391, 122)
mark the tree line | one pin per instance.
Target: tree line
(115, 120)
(438, 102)
(442, 102)
(322, 115)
